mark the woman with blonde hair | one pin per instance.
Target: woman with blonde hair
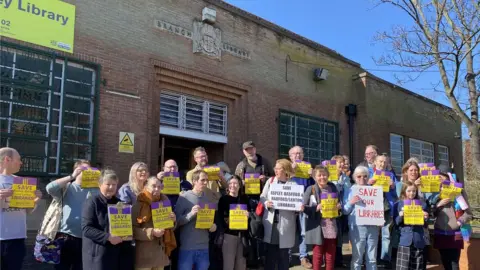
(136, 180)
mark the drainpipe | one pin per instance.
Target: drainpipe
(351, 111)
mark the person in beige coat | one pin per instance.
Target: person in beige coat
(153, 246)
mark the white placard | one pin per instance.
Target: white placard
(370, 210)
(286, 197)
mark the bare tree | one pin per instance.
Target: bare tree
(444, 35)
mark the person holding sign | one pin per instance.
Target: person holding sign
(70, 193)
(129, 191)
(279, 225)
(410, 216)
(101, 250)
(194, 243)
(153, 241)
(321, 210)
(364, 238)
(13, 221)
(170, 170)
(232, 221)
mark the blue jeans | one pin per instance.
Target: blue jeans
(198, 257)
(302, 248)
(364, 238)
(386, 251)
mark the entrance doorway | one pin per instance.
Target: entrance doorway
(181, 150)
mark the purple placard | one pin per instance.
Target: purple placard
(30, 180)
(252, 175)
(114, 210)
(166, 203)
(329, 162)
(412, 202)
(427, 173)
(127, 210)
(325, 195)
(171, 174)
(455, 184)
(378, 172)
(210, 205)
(238, 207)
(428, 165)
(91, 168)
(304, 162)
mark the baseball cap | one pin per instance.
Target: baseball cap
(248, 144)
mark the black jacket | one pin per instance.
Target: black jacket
(97, 252)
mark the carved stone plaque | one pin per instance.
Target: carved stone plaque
(207, 40)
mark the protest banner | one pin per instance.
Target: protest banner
(238, 219)
(332, 169)
(171, 183)
(120, 219)
(213, 172)
(430, 181)
(90, 177)
(426, 167)
(370, 210)
(161, 215)
(23, 192)
(252, 183)
(383, 179)
(205, 215)
(329, 202)
(413, 212)
(450, 190)
(302, 169)
(286, 197)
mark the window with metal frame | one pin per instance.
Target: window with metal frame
(422, 150)
(443, 156)
(46, 101)
(396, 152)
(318, 138)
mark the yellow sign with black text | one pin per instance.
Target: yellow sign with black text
(126, 143)
(49, 23)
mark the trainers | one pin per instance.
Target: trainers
(306, 263)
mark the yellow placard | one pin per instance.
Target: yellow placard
(48, 23)
(161, 215)
(302, 169)
(431, 181)
(382, 179)
(120, 219)
(23, 192)
(126, 143)
(413, 213)
(331, 166)
(171, 183)
(252, 183)
(205, 216)
(450, 190)
(329, 202)
(213, 173)
(90, 178)
(238, 219)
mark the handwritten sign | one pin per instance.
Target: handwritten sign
(302, 169)
(329, 203)
(413, 212)
(238, 219)
(90, 177)
(23, 192)
(426, 167)
(370, 211)
(161, 215)
(450, 190)
(382, 179)
(205, 215)
(286, 197)
(332, 169)
(120, 218)
(171, 183)
(213, 172)
(252, 183)
(430, 181)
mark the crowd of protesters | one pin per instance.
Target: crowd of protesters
(270, 234)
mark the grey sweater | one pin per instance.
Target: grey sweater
(190, 238)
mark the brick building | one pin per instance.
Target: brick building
(155, 69)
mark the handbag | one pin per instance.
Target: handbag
(260, 207)
(47, 245)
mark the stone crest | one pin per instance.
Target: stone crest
(207, 40)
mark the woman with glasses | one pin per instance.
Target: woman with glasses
(138, 175)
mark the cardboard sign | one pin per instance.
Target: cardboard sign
(23, 192)
(332, 169)
(252, 183)
(302, 169)
(213, 172)
(450, 190)
(120, 219)
(430, 181)
(205, 216)
(426, 167)
(238, 219)
(413, 212)
(286, 197)
(329, 203)
(90, 177)
(382, 179)
(161, 215)
(171, 183)
(370, 211)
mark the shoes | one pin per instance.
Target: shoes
(305, 262)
